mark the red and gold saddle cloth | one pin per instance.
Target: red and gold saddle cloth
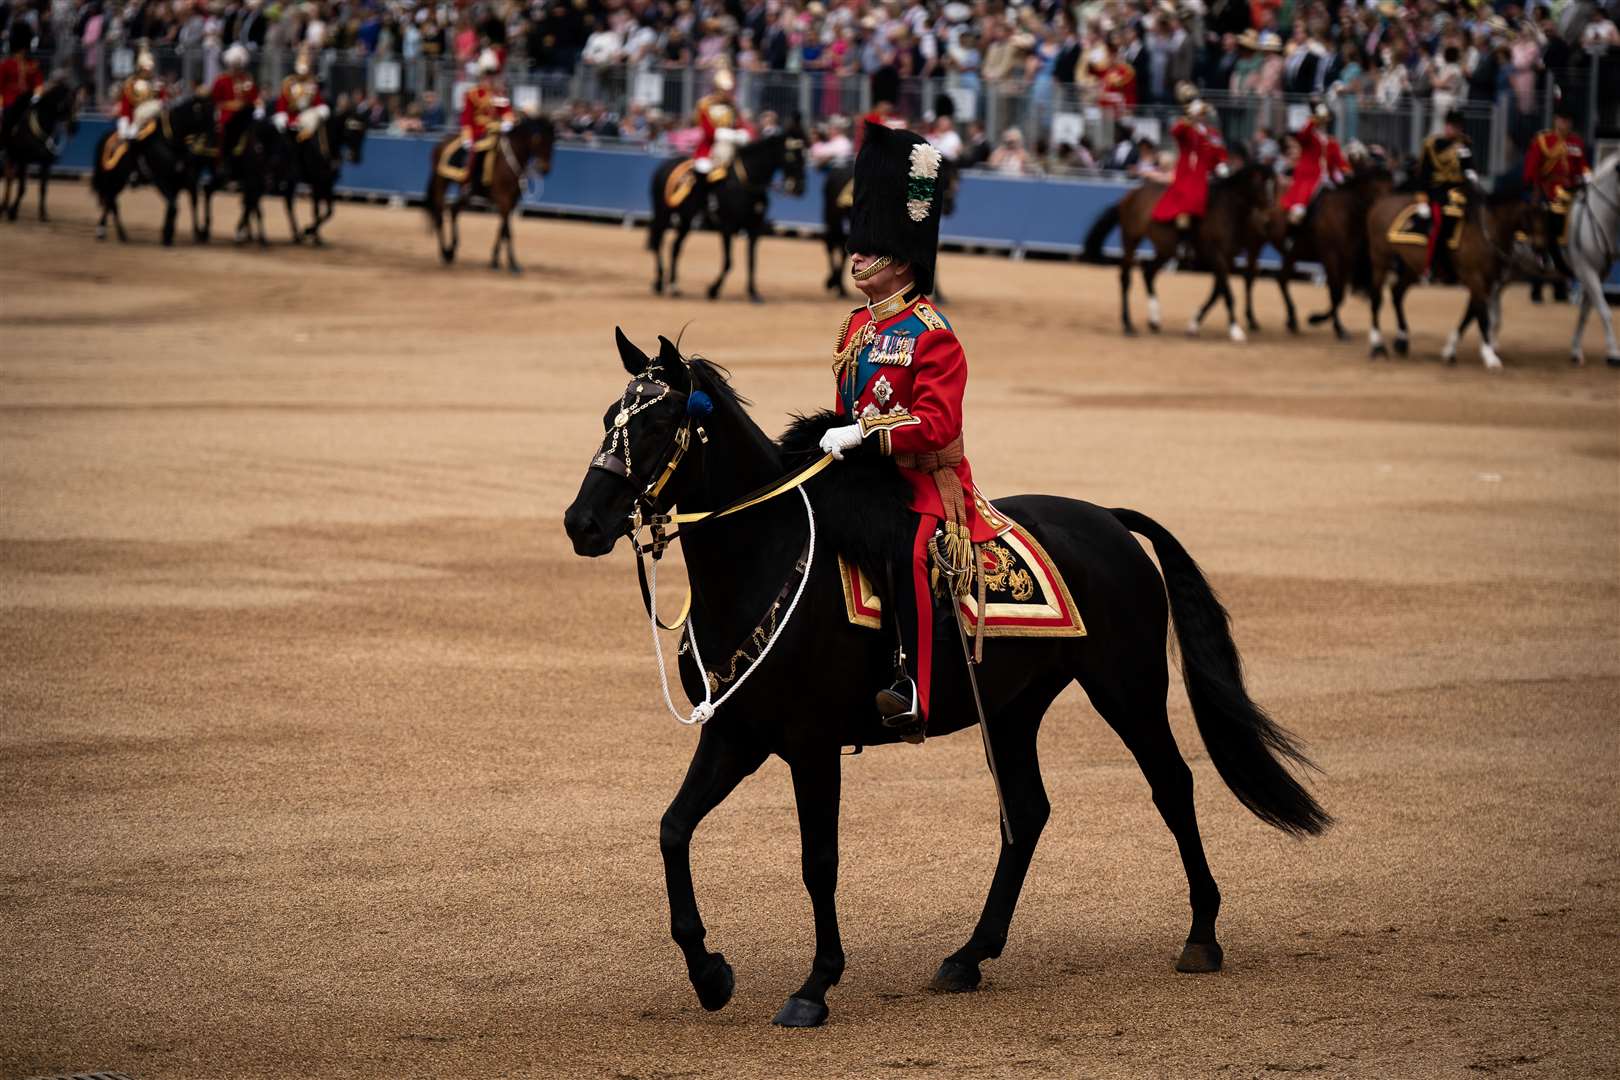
(1025, 596)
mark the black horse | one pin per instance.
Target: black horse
(153, 158)
(737, 565)
(742, 203)
(317, 161)
(838, 199)
(32, 141)
(188, 126)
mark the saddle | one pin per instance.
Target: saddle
(684, 179)
(454, 165)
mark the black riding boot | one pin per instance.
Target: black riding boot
(900, 705)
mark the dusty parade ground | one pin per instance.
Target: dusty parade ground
(321, 754)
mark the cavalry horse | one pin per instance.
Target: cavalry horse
(33, 142)
(1333, 234)
(678, 194)
(1594, 218)
(530, 142)
(1229, 226)
(838, 199)
(157, 159)
(1482, 254)
(681, 436)
(317, 159)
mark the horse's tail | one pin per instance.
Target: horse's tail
(1249, 749)
(1106, 222)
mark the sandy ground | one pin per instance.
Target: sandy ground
(322, 755)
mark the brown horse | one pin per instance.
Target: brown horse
(1228, 227)
(1333, 234)
(498, 178)
(1482, 255)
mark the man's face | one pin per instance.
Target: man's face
(886, 282)
(1562, 125)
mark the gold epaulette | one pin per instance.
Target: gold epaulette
(930, 318)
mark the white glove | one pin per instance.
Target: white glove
(126, 128)
(506, 126)
(280, 122)
(839, 439)
(258, 112)
(1471, 176)
(1223, 170)
(1422, 210)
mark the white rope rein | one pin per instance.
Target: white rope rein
(705, 709)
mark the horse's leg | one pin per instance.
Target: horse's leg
(196, 229)
(1251, 267)
(1577, 355)
(22, 189)
(1126, 261)
(1283, 276)
(44, 185)
(314, 230)
(725, 265)
(171, 210)
(1018, 765)
(683, 225)
(1375, 303)
(106, 208)
(455, 229)
(511, 253)
(816, 785)
(290, 197)
(1136, 712)
(718, 766)
(1223, 279)
(500, 239)
(1496, 318)
(118, 222)
(753, 245)
(1449, 352)
(1487, 331)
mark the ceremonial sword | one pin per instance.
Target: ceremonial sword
(984, 727)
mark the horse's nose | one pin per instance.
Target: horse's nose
(588, 536)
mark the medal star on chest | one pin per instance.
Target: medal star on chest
(882, 391)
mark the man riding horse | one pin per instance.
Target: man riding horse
(1555, 167)
(486, 112)
(21, 80)
(300, 102)
(140, 101)
(901, 374)
(1321, 163)
(722, 130)
(1200, 153)
(233, 92)
(1445, 176)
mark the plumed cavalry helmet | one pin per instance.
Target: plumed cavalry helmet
(489, 63)
(897, 200)
(236, 57)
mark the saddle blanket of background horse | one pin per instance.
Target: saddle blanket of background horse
(1025, 596)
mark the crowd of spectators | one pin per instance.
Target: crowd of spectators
(1362, 54)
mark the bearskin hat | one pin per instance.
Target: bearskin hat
(22, 37)
(897, 200)
(944, 106)
(886, 84)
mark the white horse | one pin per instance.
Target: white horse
(1594, 217)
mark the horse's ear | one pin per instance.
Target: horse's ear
(673, 364)
(635, 361)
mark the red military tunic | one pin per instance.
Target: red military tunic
(483, 111)
(232, 94)
(298, 94)
(1319, 158)
(1554, 164)
(1200, 150)
(901, 375)
(137, 90)
(20, 76)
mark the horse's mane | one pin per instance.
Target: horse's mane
(861, 503)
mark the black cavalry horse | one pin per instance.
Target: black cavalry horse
(838, 199)
(32, 141)
(743, 201)
(156, 160)
(528, 145)
(737, 565)
(317, 161)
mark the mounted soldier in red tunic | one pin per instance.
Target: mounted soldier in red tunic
(1321, 163)
(300, 102)
(21, 79)
(721, 131)
(901, 374)
(486, 112)
(1200, 153)
(234, 92)
(1555, 167)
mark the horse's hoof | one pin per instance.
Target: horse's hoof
(955, 977)
(658, 288)
(1235, 332)
(1341, 333)
(1199, 958)
(1402, 346)
(1154, 327)
(714, 292)
(755, 298)
(1612, 360)
(1378, 352)
(101, 233)
(715, 983)
(1130, 331)
(1578, 358)
(800, 1012)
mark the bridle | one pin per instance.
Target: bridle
(644, 392)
